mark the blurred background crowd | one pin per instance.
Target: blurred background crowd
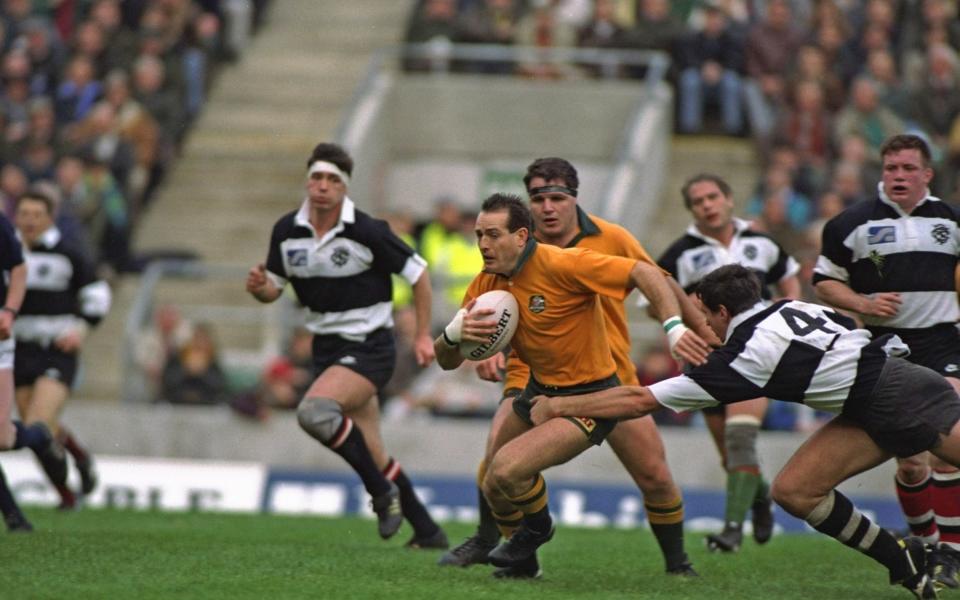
(97, 97)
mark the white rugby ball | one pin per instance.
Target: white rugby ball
(506, 314)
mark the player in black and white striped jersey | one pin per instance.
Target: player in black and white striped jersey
(805, 353)
(64, 299)
(339, 261)
(892, 261)
(717, 238)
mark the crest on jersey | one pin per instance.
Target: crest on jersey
(881, 234)
(297, 257)
(750, 251)
(537, 304)
(940, 233)
(703, 260)
(340, 256)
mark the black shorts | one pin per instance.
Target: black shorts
(936, 348)
(33, 361)
(909, 408)
(596, 430)
(374, 358)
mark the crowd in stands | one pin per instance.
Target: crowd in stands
(96, 97)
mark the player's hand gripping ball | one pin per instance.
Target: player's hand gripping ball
(506, 314)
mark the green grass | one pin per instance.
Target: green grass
(125, 554)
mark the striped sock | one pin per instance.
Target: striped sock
(666, 523)
(945, 499)
(533, 505)
(916, 500)
(508, 522)
(349, 443)
(837, 517)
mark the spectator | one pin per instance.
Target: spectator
(543, 29)
(867, 118)
(603, 29)
(655, 28)
(806, 127)
(194, 375)
(78, 92)
(149, 76)
(433, 21)
(490, 22)
(711, 65)
(166, 338)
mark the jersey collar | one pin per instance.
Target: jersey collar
(586, 225)
(882, 195)
(739, 226)
(740, 318)
(348, 215)
(528, 251)
(49, 238)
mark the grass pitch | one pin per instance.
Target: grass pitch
(106, 554)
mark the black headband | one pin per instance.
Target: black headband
(546, 189)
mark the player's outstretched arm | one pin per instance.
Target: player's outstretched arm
(622, 402)
(259, 285)
(423, 347)
(692, 315)
(684, 343)
(840, 295)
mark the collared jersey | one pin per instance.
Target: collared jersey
(607, 238)
(11, 254)
(874, 246)
(343, 277)
(62, 289)
(561, 334)
(790, 350)
(694, 256)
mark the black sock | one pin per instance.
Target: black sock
(30, 436)
(70, 442)
(54, 462)
(8, 506)
(487, 527)
(413, 510)
(666, 523)
(837, 517)
(354, 450)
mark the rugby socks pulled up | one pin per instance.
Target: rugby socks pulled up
(533, 505)
(837, 517)
(32, 436)
(742, 488)
(916, 500)
(69, 441)
(945, 500)
(350, 444)
(413, 509)
(666, 523)
(487, 525)
(507, 522)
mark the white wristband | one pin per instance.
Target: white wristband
(453, 332)
(675, 329)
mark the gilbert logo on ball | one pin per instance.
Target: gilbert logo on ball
(506, 314)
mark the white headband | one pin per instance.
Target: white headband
(322, 166)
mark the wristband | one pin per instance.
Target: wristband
(671, 323)
(675, 329)
(453, 332)
(447, 340)
(12, 311)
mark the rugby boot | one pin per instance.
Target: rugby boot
(88, 475)
(915, 577)
(762, 515)
(437, 541)
(472, 551)
(728, 540)
(389, 514)
(684, 569)
(521, 546)
(943, 563)
(528, 569)
(17, 523)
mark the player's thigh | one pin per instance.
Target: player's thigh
(366, 416)
(347, 388)
(500, 418)
(755, 408)
(834, 453)
(552, 443)
(46, 402)
(949, 449)
(638, 445)
(6, 395)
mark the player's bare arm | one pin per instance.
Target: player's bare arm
(789, 287)
(684, 343)
(422, 300)
(692, 315)
(622, 402)
(16, 289)
(840, 295)
(260, 286)
(490, 369)
(465, 326)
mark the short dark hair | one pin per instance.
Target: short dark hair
(332, 153)
(906, 141)
(733, 286)
(552, 168)
(700, 178)
(519, 214)
(34, 194)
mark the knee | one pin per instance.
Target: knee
(912, 471)
(320, 417)
(786, 492)
(654, 479)
(740, 441)
(501, 478)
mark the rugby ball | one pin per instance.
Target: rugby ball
(506, 314)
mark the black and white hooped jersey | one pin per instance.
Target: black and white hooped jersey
(344, 277)
(874, 246)
(694, 256)
(63, 291)
(11, 254)
(790, 350)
